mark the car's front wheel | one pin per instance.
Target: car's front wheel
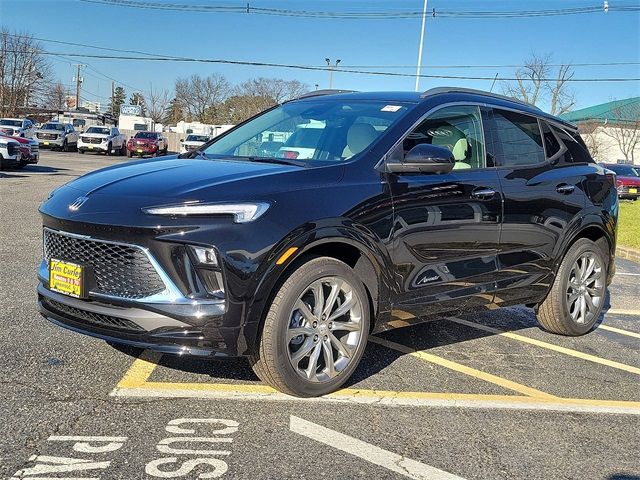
(315, 331)
(577, 296)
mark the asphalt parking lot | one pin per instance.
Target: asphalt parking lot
(481, 396)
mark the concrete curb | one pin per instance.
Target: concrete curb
(631, 254)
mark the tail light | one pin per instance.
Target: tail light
(290, 154)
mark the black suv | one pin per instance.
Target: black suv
(399, 206)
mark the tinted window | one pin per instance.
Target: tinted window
(518, 137)
(53, 126)
(151, 135)
(624, 170)
(551, 143)
(458, 129)
(576, 153)
(102, 130)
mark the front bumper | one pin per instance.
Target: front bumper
(92, 147)
(629, 193)
(142, 149)
(169, 321)
(58, 142)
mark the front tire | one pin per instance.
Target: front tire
(576, 299)
(315, 330)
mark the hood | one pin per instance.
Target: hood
(20, 140)
(117, 189)
(94, 135)
(625, 180)
(8, 129)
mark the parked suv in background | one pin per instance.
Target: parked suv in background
(411, 207)
(17, 127)
(147, 143)
(627, 179)
(193, 142)
(61, 136)
(14, 152)
(108, 140)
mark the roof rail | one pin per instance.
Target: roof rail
(439, 90)
(318, 93)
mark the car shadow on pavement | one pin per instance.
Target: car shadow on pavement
(425, 336)
(22, 173)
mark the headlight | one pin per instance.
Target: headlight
(242, 212)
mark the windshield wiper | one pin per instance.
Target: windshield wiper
(279, 161)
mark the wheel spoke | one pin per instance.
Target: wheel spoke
(296, 332)
(593, 291)
(328, 358)
(589, 302)
(571, 299)
(345, 326)
(305, 312)
(591, 262)
(318, 296)
(336, 286)
(302, 352)
(342, 309)
(339, 346)
(313, 362)
(583, 310)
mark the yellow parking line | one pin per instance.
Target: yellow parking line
(140, 370)
(458, 367)
(549, 346)
(619, 330)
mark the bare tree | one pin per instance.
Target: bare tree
(200, 96)
(25, 73)
(157, 102)
(539, 81)
(258, 94)
(57, 97)
(590, 133)
(624, 129)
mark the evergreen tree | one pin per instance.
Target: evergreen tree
(119, 97)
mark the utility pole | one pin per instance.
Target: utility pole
(113, 98)
(331, 69)
(424, 18)
(78, 85)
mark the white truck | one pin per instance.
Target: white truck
(107, 140)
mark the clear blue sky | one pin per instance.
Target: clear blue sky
(601, 37)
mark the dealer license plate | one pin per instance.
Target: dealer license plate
(90, 147)
(66, 278)
(633, 190)
(46, 143)
(139, 150)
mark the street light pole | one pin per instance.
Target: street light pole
(331, 69)
(424, 18)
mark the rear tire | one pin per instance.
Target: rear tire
(576, 299)
(128, 154)
(109, 147)
(65, 147)
(327, 305)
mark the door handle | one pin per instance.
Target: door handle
(565, 189)
(483, 193)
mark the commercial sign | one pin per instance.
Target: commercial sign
(131, 110)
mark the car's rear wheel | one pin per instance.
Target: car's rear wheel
(577, 296)
(109, 149)
(123, 150)
(315, 331)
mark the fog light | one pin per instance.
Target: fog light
(205, 256)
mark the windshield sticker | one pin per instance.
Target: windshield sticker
(390, 108)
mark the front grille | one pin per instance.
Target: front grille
(120, 270)
(93, 318)
(97, 140)
(47, 136)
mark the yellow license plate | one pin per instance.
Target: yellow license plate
(66, 278)
(139, 150)
(633, 190)
(46, 143)
(90, 147)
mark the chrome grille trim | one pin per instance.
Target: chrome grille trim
(88, 250)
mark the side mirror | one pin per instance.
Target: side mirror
(424, 158)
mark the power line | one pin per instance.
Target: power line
(309, 67)
(363, 15)
(158, 55)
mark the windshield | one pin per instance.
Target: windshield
(102, 130)
(329, 130)
(624, 170)
(146, 135)
(11, 123)
(53, 126)
(197, 138)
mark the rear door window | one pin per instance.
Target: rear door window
(517, 139)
